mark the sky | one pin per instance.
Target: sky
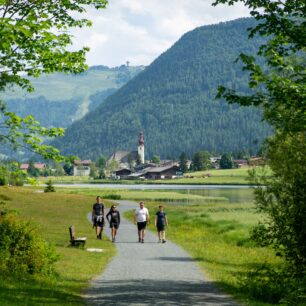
(138, 31)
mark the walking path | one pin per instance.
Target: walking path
(151, 273)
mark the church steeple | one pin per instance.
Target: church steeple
(141, 147)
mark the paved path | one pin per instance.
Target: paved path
(151, 273)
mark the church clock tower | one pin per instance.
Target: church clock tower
(141, 148)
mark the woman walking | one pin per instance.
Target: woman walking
(113, 218)
(161, 222)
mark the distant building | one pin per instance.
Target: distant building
(141, 148)
(241, 163)
(128, 159)
(81, 167)
(39, 166)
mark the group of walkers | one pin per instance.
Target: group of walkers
(141, 218)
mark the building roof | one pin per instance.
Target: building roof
(123, 156)
(85, 162)
(36, 165)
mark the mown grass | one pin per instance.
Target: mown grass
(54, 213)
(217, 237)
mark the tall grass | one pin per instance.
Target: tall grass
(54, 213)
(217, 237)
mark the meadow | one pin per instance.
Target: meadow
(54, 213)
(214, 228)
(209, 177)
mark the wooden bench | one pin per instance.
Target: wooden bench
(76, 240)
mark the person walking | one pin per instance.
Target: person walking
(98, 217)
(161, 221)
(142, 218)
(113, 218)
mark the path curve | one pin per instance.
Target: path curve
(151, 273)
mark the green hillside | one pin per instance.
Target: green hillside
(60, 99)
(172, 102)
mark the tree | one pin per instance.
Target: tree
(279, 88)
(35, 40)
(156, 159)
(32, 170)
(201, 161)
(49, 187)
(183, 162)
(226, 161)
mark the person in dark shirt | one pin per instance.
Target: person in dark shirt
(161, 222)
(98, 217)
(113, 218)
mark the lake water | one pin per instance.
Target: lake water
(234, 193)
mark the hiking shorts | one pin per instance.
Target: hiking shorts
(141, 225)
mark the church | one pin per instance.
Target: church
(126, 159)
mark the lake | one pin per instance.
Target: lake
(234, 193)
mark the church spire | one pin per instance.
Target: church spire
(141, 147)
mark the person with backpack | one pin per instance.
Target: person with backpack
(113, 218)
(98, 217)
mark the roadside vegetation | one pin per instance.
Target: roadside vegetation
(50, 214)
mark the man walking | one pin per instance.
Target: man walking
(142, 218)
(98, 217)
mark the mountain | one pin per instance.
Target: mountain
(173, 102)
(60, 99)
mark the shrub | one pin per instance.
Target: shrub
(49, 187)
(112, 196)
(22, 250)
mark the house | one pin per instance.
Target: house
(241, 163)
(81, 167)
(166, 172)
(39, 166)
(123, 173)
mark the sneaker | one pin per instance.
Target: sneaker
(139, 240)
(113, 240)
(164, 241)
(142, 241)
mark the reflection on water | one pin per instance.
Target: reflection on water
(234, 195)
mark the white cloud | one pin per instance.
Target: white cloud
(140, 30)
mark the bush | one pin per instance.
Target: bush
(49, 187)
(112, 196)
(22, 250)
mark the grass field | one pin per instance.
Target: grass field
(214, 232)
(54, 213)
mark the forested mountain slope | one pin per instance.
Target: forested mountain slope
(59, 99)
(172, 102)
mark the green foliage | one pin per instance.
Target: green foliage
(173, 102)
(49, 187)
(284, 198)
(183, 162)
(156, 159)
(10, 174)
(280, 89)
(35, 40)
(226, 161)
(201, 161)
(22, 250)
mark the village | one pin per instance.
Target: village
(132, 165)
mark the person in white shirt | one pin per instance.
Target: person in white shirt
(141, 218)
